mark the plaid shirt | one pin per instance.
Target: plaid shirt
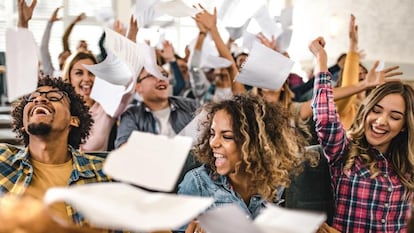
(16, 173)
(362, 204)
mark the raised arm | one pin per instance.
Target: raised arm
(47, 65)
(210, 23)
(65, 38)
(169, 56)
(133, 29)
(25, 13)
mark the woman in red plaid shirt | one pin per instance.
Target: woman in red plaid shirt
(372, 165)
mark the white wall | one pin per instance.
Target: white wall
(386, 29)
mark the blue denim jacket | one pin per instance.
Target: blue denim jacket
(202, 182)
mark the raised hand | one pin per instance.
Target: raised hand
(25, 12)
(272, 43)
(133, 29)
(168, 51)
(353, 34)
(205, 18)
(119, 27)
(375, 78)
(80, 17)
(317, 47)
(54, 17)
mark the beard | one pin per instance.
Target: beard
(39, 128)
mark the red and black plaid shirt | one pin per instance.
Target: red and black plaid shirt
(362, 204)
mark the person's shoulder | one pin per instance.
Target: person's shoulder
(9, 150)
(184, 102)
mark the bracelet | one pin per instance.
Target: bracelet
(202, 33)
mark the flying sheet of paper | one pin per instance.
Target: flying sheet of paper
(145, 13)
(157, 160)
(120, 206)
(176, 8)
(235, 13)
(282, 220)
(150, 63)
(210, 61)
(236, 33)
(265, 68)
(248, 40)
(192, 128)
(286, 17)
(112, 69)
(109, 102)
(268, 26)
(22, 63)
(227, 219)
(103, 16)
(126, 50)
(284, 39)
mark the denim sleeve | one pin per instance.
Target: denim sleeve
(126, 125)
(190, 185)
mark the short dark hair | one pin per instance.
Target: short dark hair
(77, 135)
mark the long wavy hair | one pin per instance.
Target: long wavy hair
(270, 149)
(78, 134)
(401, 148)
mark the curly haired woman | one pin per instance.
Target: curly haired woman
(249, 151)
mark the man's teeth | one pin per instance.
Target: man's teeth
(41, 110)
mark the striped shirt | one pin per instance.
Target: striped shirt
(362, 204)
(16, 173)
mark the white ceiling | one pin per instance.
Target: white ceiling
(386, 29)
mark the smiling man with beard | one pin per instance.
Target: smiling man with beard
(52, 122)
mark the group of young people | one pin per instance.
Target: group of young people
(248, 147)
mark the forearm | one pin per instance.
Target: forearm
(44, 51)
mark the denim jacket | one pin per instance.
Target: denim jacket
(140, 118)
(203, 182)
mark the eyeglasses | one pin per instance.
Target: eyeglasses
(53, 95)
(164, 73)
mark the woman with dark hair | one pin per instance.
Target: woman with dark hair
(249, 152)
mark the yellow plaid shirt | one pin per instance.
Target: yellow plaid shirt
(16, 173)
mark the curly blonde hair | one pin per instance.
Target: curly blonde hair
(270, 149)
(401, 149)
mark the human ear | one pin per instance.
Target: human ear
(74, 121)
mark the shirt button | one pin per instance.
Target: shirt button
(386, 205)
(389, 189)
(382, 220)
(385, 175)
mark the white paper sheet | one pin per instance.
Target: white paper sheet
(265, 68)
(145, 13)
(193, 129)
(157, 160)
(249, 39)
(282, 220)
(108, 95)
(120, 206)
(210, 61)
(235, 13)
(126, 50)
(22, 63)
(268, 27)
(227, 219)
(286, 17)
(284, 39)
(236, 33)
(112, 69)
(175, 8)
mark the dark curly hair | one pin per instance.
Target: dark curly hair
(77, 135)
(270, 149)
